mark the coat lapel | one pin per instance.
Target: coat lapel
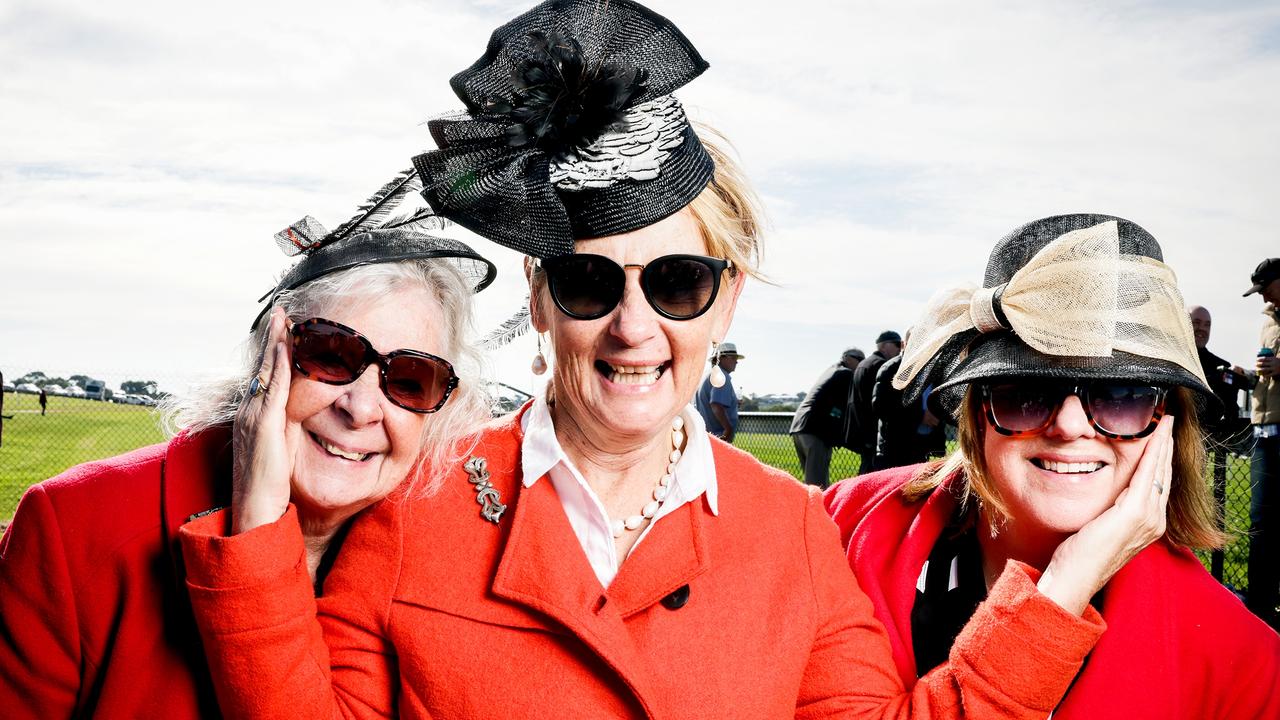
(896, 595)
(194, 477)
(543, 568)
(673, 554)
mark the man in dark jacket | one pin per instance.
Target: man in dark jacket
(908, 433)
(821, 421)
(863, 425)
(1225, 380)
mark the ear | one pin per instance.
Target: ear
(537, 282)
(725, 317)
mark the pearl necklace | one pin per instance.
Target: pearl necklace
(663, 488)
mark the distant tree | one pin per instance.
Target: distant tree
(779, 407)
(800, 396)
(749, 403)
(80, 380)
(139, 387)
(35, 377)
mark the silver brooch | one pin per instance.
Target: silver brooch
(491, 507)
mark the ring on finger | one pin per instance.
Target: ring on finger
(257, 386)
(1159, 487)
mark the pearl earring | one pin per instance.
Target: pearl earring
(539, 361)
(717, 375)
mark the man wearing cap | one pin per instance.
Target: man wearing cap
(821, 422)
(718, 402)
(863, 424)
(1264, 511)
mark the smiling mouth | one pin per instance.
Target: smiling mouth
(1067, 468)
(339, 452)
(632, 374)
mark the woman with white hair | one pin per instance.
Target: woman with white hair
(380, 386)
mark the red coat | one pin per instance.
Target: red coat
(94, 618)
(751, 613)
(1177, 645)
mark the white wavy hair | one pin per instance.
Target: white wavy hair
(447, 435)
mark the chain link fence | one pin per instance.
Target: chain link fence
(37, 445)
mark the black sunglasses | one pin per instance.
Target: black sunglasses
(679, 287)
(335, 354)
(1117, 410)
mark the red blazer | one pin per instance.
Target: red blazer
(1177, 645)
(432, 611)
(94, 618)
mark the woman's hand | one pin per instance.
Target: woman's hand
(262, 448)
(1087, 560)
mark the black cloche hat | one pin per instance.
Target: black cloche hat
(1069, 296)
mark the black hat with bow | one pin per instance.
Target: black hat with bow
(375, 234)
(570, 130)
(1069, 296)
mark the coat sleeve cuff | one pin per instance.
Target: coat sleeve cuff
(252, 580)
(1025, 643)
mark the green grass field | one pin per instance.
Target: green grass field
(74, 431)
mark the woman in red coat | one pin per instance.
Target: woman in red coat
(1071, 373)
(94, 616)
(600, 555)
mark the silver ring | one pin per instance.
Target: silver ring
(1159, 487)
(257, 386)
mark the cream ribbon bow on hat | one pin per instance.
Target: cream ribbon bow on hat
(1077, 297)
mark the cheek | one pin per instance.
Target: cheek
(405, 436)
(1127, 455)
(1002, 454)
(307, 398)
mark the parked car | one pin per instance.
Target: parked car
(8, 387)
(74, 391)
(54, 389)
(29, 388)
(505, 399)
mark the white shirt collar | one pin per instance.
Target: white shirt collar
(542, 455)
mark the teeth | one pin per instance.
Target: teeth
(635, 375)
(625, 369)
(1069, 468)
(332, 450)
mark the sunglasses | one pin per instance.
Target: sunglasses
(1117, 410)
(335, 354)
(679, 287)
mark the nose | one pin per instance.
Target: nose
(1071, 421)
(634, 321)
(361, 401)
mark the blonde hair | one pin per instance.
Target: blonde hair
(728, 211)
(447, 435)
(1193, 516)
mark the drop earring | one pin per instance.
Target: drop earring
(717, 375)
(539, 365)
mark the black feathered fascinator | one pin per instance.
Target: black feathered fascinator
(375, 234)
(571, 131)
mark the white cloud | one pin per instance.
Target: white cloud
(149, 151)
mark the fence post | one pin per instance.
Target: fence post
(1219, 459)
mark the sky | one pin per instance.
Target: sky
(150, 150)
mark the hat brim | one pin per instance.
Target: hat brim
(1003, 355)
(1255, 289)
